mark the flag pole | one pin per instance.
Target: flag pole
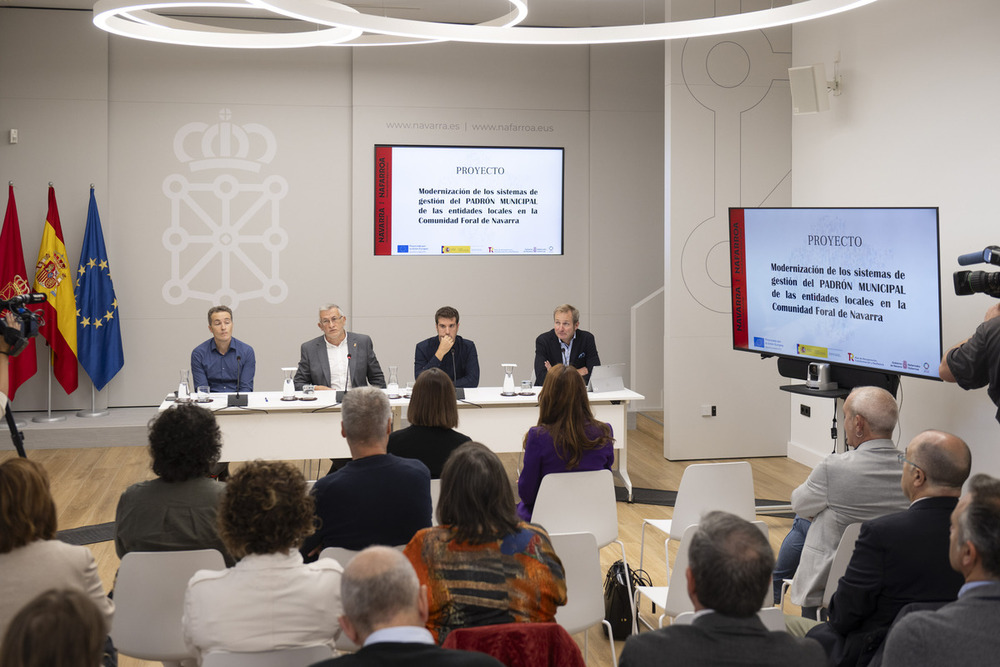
(93, 412)
(49, 419)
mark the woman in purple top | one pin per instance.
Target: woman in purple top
(567, 437)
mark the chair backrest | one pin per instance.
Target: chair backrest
(584, 582)
(840, 560)
(578, 502)
(149, 601)
(713, 486)
(435, 496)
(677, 595)
(551, 644)
(339, 554)
(286, 657)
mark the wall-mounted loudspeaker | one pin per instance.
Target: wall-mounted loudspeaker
(809, 89)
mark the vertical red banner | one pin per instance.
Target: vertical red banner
(738, 265)
(383, 200)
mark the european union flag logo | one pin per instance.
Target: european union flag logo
(758, 341)
(402, 249)
(98, 334)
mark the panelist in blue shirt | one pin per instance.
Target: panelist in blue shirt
(222, 361)
(448, 351)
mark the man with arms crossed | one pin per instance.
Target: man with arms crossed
(455, 355)
(729, 572)
(339, 359)
(566, 344)
(965, 631)
(222, 363)
(385, 612)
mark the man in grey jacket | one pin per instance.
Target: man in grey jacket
(857, 485)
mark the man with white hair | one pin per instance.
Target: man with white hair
(857, 485)
(385, 612)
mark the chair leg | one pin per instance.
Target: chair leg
(611, 642)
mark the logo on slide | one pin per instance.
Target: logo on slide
(224, 224)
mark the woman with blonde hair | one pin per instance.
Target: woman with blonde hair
(567, 438)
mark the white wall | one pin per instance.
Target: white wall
(112, 111)
(916, 125)
(728, 130)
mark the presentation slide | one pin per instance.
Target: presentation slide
(463, 200)
(851, 286)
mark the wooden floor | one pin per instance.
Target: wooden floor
(87, 482)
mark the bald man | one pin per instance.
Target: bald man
(900, 558)
(385, 612)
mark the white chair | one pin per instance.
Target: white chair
(584, 606)
(705, 487)
(672, 598)
(435, 495)
(287, 657)
(339, 554)
(149, 602)
(841, 559)
(580, 502)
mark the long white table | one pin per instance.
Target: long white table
(269, 428)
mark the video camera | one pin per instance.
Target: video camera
(974, 282)
(28, 321)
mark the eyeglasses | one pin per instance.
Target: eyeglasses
(902, 459)
(331, 320)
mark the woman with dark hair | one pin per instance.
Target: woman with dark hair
(567, 437)
(32, 560)
(433, 415)
(177, 510)
(59, 628)
(482, 566)
(270, 599)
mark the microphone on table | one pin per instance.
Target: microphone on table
(347, 383)
(238, 400)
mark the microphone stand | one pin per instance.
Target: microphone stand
(237, 400)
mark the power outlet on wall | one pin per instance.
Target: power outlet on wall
(805, 410)
(708, 411)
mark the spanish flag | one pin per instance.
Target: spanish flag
(52, 278)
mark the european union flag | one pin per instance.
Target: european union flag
(99, 333)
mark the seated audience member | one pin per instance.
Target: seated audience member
(433, 416)
(899, 558)
(32, 560)
(963, 632)
(339, 359)
(729, 572)
(222, 363)
(177, 510)
(270, 599)
(385, 611)
(377, 498)
(568, 437)
(482, 566)
(454, 355)
(857, 485)
(59, 628)
(565, 344)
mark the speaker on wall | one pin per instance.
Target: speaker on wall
(808, 84)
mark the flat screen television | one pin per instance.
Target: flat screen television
(856, 287)
(468, 200)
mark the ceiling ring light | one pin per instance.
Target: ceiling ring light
(128, 19)
(328, 13)
(352, 28)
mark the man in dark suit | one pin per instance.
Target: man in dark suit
(963, 632)
(338, 359)
(899, 558)
(385, 612)
(448, 351)
(729, 572)
(565, 344)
